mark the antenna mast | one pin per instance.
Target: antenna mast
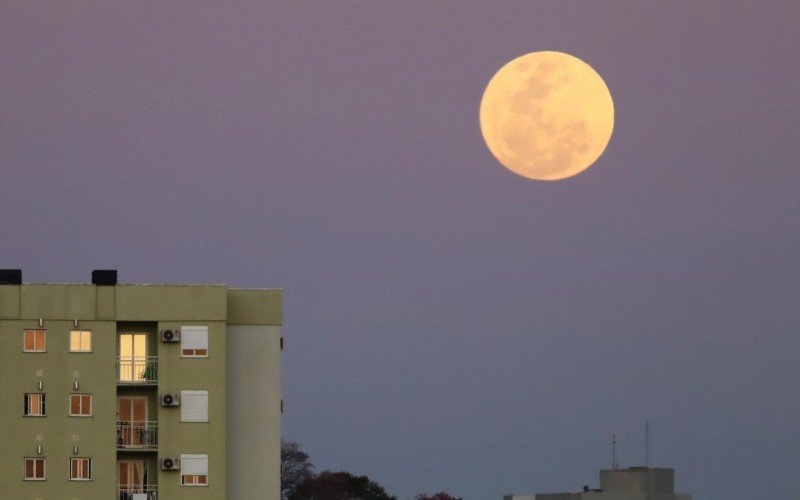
(614, 463)
(646, 442)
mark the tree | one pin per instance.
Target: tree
(295, 468)
(437, 496)
(329, 485)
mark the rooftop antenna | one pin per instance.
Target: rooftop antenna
(614, 463)
(646, 443)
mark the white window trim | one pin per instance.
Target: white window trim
(184, 400)
(91, 341)
(91, 404)
(91, 466)
(42, 404)
(199, 329)
(199, 468)
(25, 469)
(44, 347)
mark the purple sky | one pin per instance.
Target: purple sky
(450, 325)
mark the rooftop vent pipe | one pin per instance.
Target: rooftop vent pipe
(10, 276)
(104, 277)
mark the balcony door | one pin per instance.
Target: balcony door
(132, 357)
(132, 477)
(132, 421)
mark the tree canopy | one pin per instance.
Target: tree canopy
(329, 485)
(295, 468)
(437, 496)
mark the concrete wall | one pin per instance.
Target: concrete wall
(57, 369)
(178, 374)
(254, 412)
(254, 366)
(638, 480)
(635, 483)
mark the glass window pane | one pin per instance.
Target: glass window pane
(126, 345)
(74, 341)
(140, 345)
(86, 341)
(29, 472)
(40, 340)
(29, 340)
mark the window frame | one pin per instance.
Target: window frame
(87, 465)
(43, 461)
(34, 331)
(26, 405)
(80, 341)
(81, 395)
(194, 480)
(195, 353)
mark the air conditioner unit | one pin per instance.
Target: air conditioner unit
(170, 335)
(170, 464)
(170, 400)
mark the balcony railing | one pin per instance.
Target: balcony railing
(137, 435)
(137, 369)
(142, 492)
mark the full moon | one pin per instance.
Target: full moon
(547, 115)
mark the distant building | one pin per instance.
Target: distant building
(138, 392)
(635, 483)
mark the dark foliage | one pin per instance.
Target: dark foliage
(339, 486)
(295, 468)
(437, 496)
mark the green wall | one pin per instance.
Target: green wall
(106, 311)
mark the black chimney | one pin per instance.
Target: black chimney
(104, 277)
(10, 276)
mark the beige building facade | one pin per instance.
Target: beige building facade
(138, 392)
(634, 483)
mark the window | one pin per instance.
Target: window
(194, 406)
(34, 469)
(80, 405)
(194, 470)
(33, 341)
(34, 405)
(194, 341)
(80, 341)
(80, 469)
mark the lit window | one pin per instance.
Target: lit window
(194, 341)
(80, 341)
(194, 470)
(80, 469)
(34, 469)
(194, 406)
(80, 405)
(33, 341)
(34, 405)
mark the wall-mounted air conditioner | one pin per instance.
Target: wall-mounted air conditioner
(170, 464)
(170, 335)
(170, 400)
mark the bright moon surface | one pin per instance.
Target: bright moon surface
(547, 115)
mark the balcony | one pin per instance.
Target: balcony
(137, 436)
(141, 492)
(137, 370)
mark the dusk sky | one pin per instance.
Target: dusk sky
(449, 325)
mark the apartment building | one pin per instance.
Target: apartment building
(138, 392)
